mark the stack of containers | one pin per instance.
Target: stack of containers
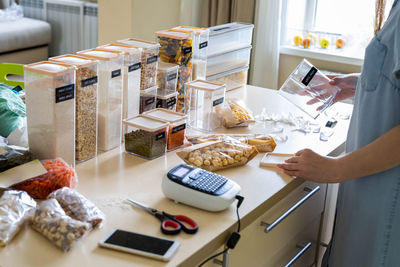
(177, 48)
(148, 77)
(109, 96)
(50, 110)
(207, 100)
(86, 104)
(131, 78)
(167, 78)
(229, 53)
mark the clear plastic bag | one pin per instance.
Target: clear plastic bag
(217, 155)
(12, 156)
(51, 221)
(236, 114)
(78, 207)
(59, 174)
(15, 208)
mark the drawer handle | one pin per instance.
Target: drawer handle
(270, 226)
(298, 255)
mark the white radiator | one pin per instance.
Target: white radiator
(73, 23)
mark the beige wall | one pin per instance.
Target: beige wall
(287, 63)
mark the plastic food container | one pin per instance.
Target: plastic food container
(166, 99)
(229, 36)
(50, 110)
(150, 51)
(86, 105)
(227, 57)
(109, 96)
(184, 76)
(146, 137)
(205, 101)
(148, 99)
(131, 77)
(177, 125)
(167, 76)
(175, 47)
(298, 89)
(232, 78)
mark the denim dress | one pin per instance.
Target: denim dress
(367, 225)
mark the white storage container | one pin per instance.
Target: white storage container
(205, 101)
(150, 51)
(109, 96)
(148, 99)
(50, 110)
(146, 137)
(86, 104)
(239, 55)
(177, 125)
(229, 36)
(166, 99)
(167, 76)
(233, 79)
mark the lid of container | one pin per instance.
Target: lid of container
(195, 30)
(228, 27)
(102, 54)
(165, 115)
(165, 94)
(149, 90)
(126, 49)
(50, 68)
(75, 60)
(205, 85)
(139, 43)
(225, 73)
(227, 65)
(146, 123)
(174, 34)
(167, 67)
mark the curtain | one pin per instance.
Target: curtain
(217, 12)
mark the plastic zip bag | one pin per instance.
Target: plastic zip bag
(15, 208)
(78, 207)
(236, 114)
(12, 156)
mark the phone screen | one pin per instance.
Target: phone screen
(139, 242)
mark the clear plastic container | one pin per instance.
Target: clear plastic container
(299, 89)
(150, 51)
(175, 47)
(109, 96)
(86, 105)
(177, 125)
(184, 76)
(131, 77)
(232, 78)
(50, 110)
(225, 58)
(166, 99)
(148, 99)
(229, 36)
(146, 137)
(205, 101)
(167, 76)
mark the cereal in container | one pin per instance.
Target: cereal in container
(166, 100)
(148, 99)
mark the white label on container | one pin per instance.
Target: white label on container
(150, 101)
(152, 59)
(89, 81)
(178, 128)
(187, 50)
(170, 102)
(203, 45)
(218, 101)
(134, 67)
(171, 76)
(65, 93)
(115, 73)
(160, 136)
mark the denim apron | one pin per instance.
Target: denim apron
(367, 224)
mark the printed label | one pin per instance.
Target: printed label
(187, 50)
(152, 59)
(65, 93)
(17, 89)
(178, 128)
(150, 101)
(89, 81)
(218, 101)
(160, 136)
(171, 76)
(203, 45)
(134, 67)
(115, 73)
(306, 80)
(170, 102)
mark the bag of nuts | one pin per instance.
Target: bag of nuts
(78, 207)
(15, 207)
(51, 221)
(236, 114)
(217, 155)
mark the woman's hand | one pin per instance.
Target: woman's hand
(309, 165)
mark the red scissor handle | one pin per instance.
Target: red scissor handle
(170, 227)
(188, 225)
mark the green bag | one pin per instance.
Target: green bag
(12, 108)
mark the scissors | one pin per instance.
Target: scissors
(170, 224)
